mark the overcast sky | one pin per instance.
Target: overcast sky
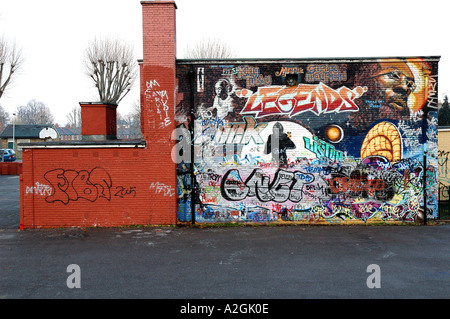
(53, 35)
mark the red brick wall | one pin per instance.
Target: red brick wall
(158, 69)
(159, 32)
(158, 96)
(93, 187)
(10, 168)
(115, 186)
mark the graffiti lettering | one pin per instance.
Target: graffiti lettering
(357, 185)
(253, 77)
(230, 71)
(285, 186)
(237, 133)
(161, 188)
(283, 100)
(443, 165)
(71, 185)
(324, 73)
(150, 85)
(213, 122)
(323, 149)
(159, 100)
(289, 70)
(432, 92)
(39, 189)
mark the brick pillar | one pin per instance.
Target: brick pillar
(158, 102)
(98, 121)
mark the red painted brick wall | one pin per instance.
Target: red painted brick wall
(98, 119)
(10, 168)
(93, 187)
(158, 69)
(115, 186)
(158, 97)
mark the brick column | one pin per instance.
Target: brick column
(98, 121)
(158, 102)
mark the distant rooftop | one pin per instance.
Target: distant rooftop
(24, 131)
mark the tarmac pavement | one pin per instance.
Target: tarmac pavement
(245, 262)
(9, 202)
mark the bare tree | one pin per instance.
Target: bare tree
(34, 112)
(112, 65)
(11, 60)
(74, 117)
(131, 122)
(4, 118)
(211, 48)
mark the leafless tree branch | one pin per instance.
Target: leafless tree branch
(74, 117)
(130, 123)
(4, 118)
(211, 48)
(35, 112)
(11, 59)
(112, 65)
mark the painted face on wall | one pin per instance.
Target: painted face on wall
(223, 100)
(396, 81)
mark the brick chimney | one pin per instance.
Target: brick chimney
(98, 121)
(158, 69)
(158, 79)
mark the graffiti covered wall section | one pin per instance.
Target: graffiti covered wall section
(444, 172)
(328, 141)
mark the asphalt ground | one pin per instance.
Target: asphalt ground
(9, 202)
(245, 262)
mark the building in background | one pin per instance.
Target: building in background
(67, 133)
(444, 171)
(14, 135)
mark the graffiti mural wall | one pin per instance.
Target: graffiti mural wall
(317, 141)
